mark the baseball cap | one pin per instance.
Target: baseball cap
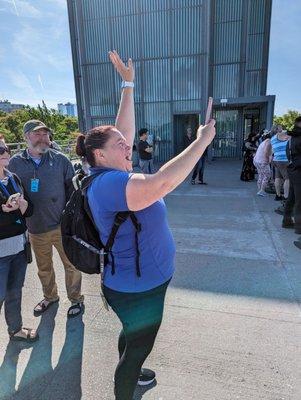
(34, 125)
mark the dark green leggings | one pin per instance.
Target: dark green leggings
(141, 316)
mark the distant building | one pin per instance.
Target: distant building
(184, 51)
(67, 109)
(8, 107)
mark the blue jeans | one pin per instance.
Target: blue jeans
(12, 276)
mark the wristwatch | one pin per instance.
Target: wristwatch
(125, 84)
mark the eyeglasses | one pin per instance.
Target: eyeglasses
(4, 150)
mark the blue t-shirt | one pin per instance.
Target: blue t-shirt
(107, 196)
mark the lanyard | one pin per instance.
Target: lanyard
(35, 167)
(3, 187)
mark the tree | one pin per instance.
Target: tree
(287, 120)
(11, 124)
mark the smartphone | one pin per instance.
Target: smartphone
(209, 110)
(13, 198)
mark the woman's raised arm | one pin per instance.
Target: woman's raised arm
(125, 120)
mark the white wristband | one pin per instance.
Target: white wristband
(125, 84)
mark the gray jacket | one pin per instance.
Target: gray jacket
(55, 174)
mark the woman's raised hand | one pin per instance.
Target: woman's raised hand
(126, 72)
(207, 132)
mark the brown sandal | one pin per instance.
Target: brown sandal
(29, 338)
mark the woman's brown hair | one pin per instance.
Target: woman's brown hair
(96, 138)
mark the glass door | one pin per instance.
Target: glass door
(227, 142)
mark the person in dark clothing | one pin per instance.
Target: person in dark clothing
(293, 203)
(248, 168)
(13, 260)
(145, 153)
(198, 170)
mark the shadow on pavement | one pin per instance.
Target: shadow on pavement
(236, 277)
(39, 379)
(139, 392)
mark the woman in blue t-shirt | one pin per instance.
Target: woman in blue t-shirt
(141, 262)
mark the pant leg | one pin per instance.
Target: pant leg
(151, 166)
(144, 166)
(73, 278)
(13, 298)
(4, 271)
(266, 175)
(202, 168)
(296, 183)
(195, 170)
(141, 316)
(290, 202)
(42, 247)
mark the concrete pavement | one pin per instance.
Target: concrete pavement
(232, 325)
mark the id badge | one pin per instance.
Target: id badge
(34, 185)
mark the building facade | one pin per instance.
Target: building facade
(8, 107)
(184, 51)
(67, 109)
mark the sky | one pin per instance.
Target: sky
(36, 63)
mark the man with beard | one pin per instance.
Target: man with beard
(47, 177)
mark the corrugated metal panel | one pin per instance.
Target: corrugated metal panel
(255, 51)
(102, 121)
(155, 34)
(227, 42)
(187, 78)
(139, 117)
(97, 40)
(154, 5)
(95, 9)
(253, 83)
(158, 121)
(187, 106)
(99, 80)
(120, 7)
(157, 80)
(228, 10)
(225, 80)
(187, 36)
(127, 35)
(186, 3)
(257, 16)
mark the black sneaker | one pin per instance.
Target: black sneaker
(297, 243)
(146, 377)
(278, 198)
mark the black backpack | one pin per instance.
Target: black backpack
(80, 235)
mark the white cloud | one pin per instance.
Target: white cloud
(38, 47)
(22, 8)
(20, 81)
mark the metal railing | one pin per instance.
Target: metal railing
(67, 147)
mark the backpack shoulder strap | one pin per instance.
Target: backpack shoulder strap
(120, 218)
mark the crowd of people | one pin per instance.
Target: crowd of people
(34, 188)
(275, 156)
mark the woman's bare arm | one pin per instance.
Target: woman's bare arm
(143, 190)
(125, 120)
